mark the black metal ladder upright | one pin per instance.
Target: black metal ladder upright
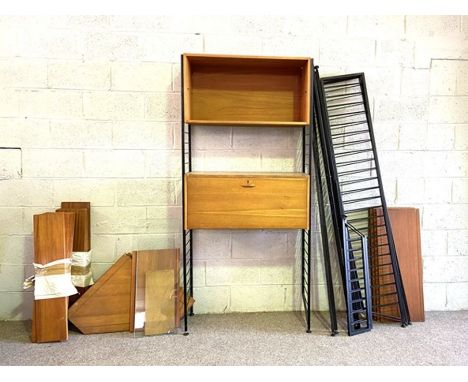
(352, 259)
(353, 176)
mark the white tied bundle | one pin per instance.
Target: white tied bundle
(51, 280)
(81, 269)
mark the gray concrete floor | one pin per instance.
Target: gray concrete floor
(251, 339)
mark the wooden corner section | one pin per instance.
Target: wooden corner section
(107, 306)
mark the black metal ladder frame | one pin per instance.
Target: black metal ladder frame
(342, 228)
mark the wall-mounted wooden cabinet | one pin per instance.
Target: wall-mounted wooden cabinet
(246, 90)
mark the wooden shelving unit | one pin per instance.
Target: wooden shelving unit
(250, 91)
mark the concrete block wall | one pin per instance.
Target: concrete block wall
(90, 110)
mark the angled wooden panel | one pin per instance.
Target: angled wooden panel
(53, 240)
(107, 306)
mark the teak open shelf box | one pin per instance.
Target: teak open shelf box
(246, 90)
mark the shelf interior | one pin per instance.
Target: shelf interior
(226, 90)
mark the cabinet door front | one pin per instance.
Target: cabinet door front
(243, 202)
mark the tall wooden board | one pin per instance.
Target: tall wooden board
(407, 238)
(53, 240)
(82, 234)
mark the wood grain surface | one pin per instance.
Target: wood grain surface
(82, 234)
(160, 304)
(150, 261)
(107, 306)
(406, 234)
(53, 240)
(246, 201)
(246, 90)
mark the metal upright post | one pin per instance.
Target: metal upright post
(184, 242)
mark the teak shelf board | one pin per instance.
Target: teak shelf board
(247, 123)
(53, 240)
(246, 90)
(246, 201)
(236, 174)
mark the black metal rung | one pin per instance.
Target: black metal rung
(358, 209)
(345, 105)
(335, 97)
(353, 162)
(383, 305)
(379, 245)
(360, 322)
(358, 290)
(394, 318)
(346, 182)
(385, 294)
(387, 274)
(351, 172)
(380, 235)
(351, 143)
(383, 285)
(353, 152)
(382, 254)
(361, 199)
(357, 220)
(340, 86)
(349, 133)
(344, 125)
(357, 190)
(380, 265)
(345, 115)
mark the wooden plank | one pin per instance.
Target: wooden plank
(246, 202)
(226, 122)
(83, 241)
(53, 240)
(160, 302)
(406, 234)
(82, 234)
(207, 57)
(106, 306)
(407, 237)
